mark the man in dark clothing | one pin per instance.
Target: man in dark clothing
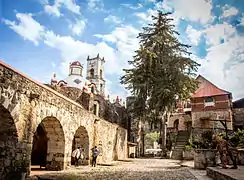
(95, 153)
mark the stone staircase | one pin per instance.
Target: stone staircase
(181, 140)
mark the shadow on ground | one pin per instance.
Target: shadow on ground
(96, 174)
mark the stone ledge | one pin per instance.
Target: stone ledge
(218, 173)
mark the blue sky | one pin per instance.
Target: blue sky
(40, 37)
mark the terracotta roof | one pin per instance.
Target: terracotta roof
(207, 88)
(76, 63)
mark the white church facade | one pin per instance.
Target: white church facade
(93, 83)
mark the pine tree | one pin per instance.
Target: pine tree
(162, 70)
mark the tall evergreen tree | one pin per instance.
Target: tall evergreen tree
(162, 70)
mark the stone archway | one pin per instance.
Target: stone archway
(39, 147)
(81, 139)
(50, 140)
(8, 145)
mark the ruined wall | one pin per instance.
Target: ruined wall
(30, 104)
(238, 118)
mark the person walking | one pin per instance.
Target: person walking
(76, 154)
(95, 153)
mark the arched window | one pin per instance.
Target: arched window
(101, 74)
(92, 73)
(209, 99)
(92, 89)
(176, 124)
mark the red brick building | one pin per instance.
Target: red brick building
(209, 106)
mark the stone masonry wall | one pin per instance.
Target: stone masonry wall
(238, 119)
(197, 122)
(183, 119)
(28, 104)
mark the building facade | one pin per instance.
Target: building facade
(238, 114)
(208, 108)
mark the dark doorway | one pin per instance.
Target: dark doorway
(81, 140)
(39, 147)
(176, 124)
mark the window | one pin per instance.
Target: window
(101, 74)
(176, 124)
(209, 101)
(92, 89)
(92, 73)
(95, 109)
(101, 87)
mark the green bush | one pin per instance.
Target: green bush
(205, 142)
(237, 140)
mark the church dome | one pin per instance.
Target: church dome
(76, 63)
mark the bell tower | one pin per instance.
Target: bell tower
(95, 73)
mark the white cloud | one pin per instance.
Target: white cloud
(53, 65)
(112, 19)
(96, 5)
(215, 33)
(138, 6)
(222, 65)
(229, 11)
(193, 10)
(164, 6)
(78, 27)
(27, 27)
(242, 19)
(70, 5)
(55, 8)
(126, 43)
(193, 34)
(146, 17)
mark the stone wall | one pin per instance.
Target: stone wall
(26, 104)
(204, 158)
(205, 119)
(241, 157)
(188, 154)
(182, 118)
(238, 118)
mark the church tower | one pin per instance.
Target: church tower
(75, 75)
(95, 73)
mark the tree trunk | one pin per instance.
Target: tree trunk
(164, 150)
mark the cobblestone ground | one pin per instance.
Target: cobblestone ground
(141, 169)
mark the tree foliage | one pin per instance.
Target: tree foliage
(161, 69)
(152, 137)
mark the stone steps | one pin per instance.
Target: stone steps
(217, 173)
(181, 140)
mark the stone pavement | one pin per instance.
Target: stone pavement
(149, 169)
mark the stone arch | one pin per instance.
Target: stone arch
(8, 145)
(52, 141)
(81, 139)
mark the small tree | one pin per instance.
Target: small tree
(152, 137)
